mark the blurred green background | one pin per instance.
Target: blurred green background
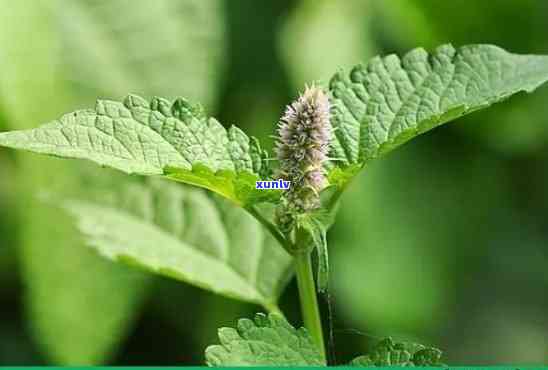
(445, 241)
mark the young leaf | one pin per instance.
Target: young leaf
(387, 102)
(389, 353)
(138, 137)
(186, 235)
(265, 341)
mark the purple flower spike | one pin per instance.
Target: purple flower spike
(302, 148)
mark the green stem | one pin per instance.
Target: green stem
(308, 299)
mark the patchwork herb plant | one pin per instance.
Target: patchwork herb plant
(324, 139)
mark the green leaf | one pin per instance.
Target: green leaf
(511, 129)
(188, 236)
(265, 341)
(387, 102)
(389, 353)
(138, 137)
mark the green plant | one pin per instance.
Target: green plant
(325, 138)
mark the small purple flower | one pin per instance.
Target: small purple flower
(302, 148)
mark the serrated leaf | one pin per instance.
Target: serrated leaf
(265, 341)
(424, 24)
(389, 353)
(148, 138)
(387, 102)
(188, 236)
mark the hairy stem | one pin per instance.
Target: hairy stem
(308, 299)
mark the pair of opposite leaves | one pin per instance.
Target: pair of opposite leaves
(376, 107)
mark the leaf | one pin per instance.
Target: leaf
(186, 235)
(265, 341)
(387, 102)
(138, 137)
(389, 353)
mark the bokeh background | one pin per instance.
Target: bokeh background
(444, 241)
